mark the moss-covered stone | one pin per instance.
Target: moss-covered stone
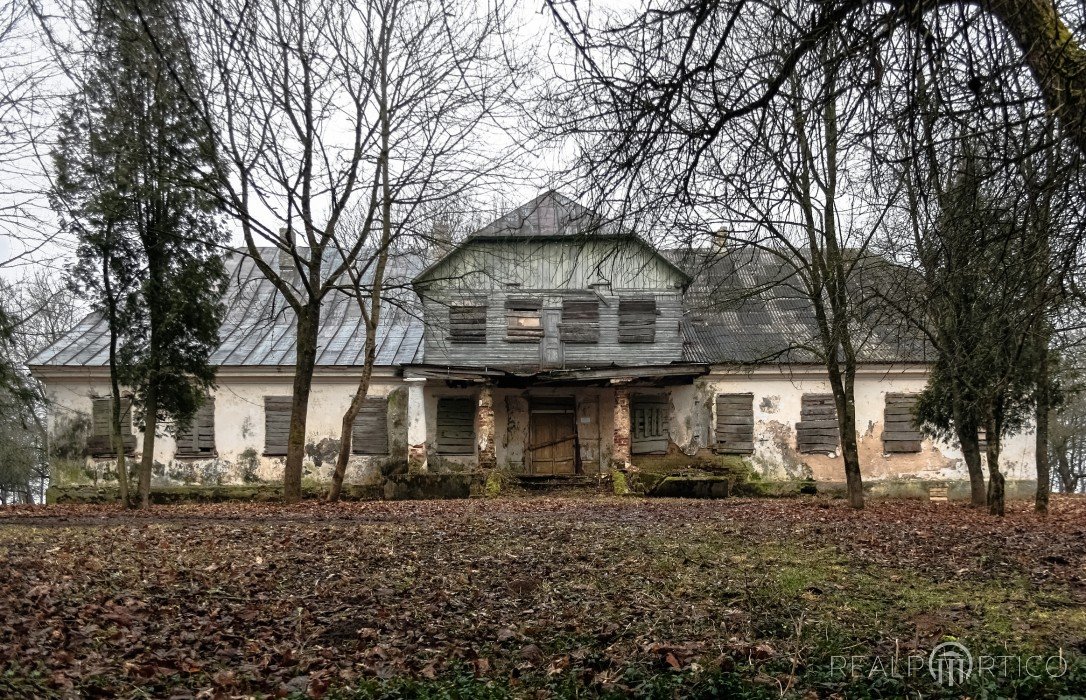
(619, 484)
(693, 487)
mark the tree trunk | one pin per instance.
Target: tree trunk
(1044, 470)
(845, 401)
(150, 421)
(970, 446)
(996, 481)
(347, 429)
(1068, 482)
(305, 359)
(115, 387)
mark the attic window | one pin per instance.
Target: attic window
(580, 321)
(636, 320)
(523, 320)
(467, 324)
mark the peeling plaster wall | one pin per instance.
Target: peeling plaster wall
(239, 432)
(777, 397)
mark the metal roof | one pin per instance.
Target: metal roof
(748, 306)
(258, 329)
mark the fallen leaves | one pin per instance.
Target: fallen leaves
(236, 599)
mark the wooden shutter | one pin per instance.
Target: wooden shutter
(199, 439)
(636, 320)
(369, 436)
(648, 425)
(580, 321)
(456, 426)
(276, 424)
(467, 324)
(817, 431)
(735, 424)
(899, 431)
(523, 320)
(100, 440)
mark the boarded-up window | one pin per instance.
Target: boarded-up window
(276, 424)
(735, 424)
(580, 321)
(636, 320)
(100, 440)
(198, 440)
(467, 324)
(456, 426)
(370, 433)
(523, 320)
(899, 431)
(817, 431)
(648, 425)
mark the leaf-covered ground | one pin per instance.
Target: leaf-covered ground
(537, 596)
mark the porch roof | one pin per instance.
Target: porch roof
(646, 375)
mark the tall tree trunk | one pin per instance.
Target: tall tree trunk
(347, 428)
(115, 387)
(150, 420)
(305, 359)
(1068, 482)
(1044, 470)
(843, 387)
(970, 446)
(996, 481)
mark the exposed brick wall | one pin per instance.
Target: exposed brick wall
(620, 454)
(484, 429)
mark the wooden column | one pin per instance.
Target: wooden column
(484, 429)
(620, 450)
(416, 425)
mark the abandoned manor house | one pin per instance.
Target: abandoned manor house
(544, 344)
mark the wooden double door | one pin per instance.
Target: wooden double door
(552, 437)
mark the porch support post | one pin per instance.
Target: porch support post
(416, 425)
(484, 428)
(620, 450)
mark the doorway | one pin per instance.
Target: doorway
(552, 437)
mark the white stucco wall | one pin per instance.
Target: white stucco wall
(777, 398)
(239, 425)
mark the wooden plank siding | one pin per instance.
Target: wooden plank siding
(455, 425)
(199, 439)
(467, 323)
(369, 435)
(276, 425)
(817, 431)
(734, 424)
(497, 350)
(100, 440)
(900, 435)
(583, 281)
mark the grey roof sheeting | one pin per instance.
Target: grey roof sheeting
(748, 306)
(743, 307)
(258, 330)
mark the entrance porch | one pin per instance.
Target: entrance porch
(562, 423)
